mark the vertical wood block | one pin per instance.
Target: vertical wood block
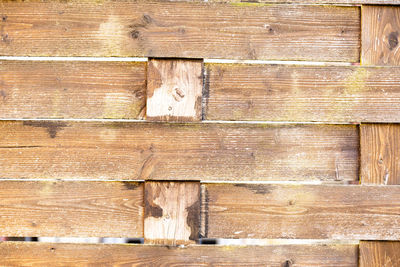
(379, 254)
(174, 90)
(172, 212)
(380, 35)
(380, 154)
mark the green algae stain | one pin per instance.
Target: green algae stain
(356, 82)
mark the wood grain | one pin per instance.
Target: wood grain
(303, 2)
(302, 93)
(379, 254)
(380, 35)
(172, 212)
(71, 209)
(380, 154)
(40, 254)
(174, 90)
(57, 89)
(179, 29)
(302, 211)
(195, 151)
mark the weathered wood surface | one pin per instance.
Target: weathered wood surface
(172, 212)
(380, 155)
(57, 89)
(179, 29)
(380, 35)
(36, 89)
(379, 254)
(302, 93)
(40, 254)
(174, 90)
(302, 2)
(195, 151)
(71, 209)
(302, 211)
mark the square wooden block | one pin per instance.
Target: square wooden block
(174, 90)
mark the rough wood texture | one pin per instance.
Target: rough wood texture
(54, 89)
(379, 254)
(302, 93)
(67, 208)
(172, 212)
(380, 145)
(380, 35)
(174, 90)
(302, 2)
(179, 29)
(302, 211)
(42, 254)
(195, 151)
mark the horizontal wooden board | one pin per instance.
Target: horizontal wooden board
(71, 209)
(381, 253)
(40, 254)
(303, 2)
(179, 29)
(302, 93)
(301, 211)
(194, 151)
(67, 89)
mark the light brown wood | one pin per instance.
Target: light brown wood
(380, 144)
(380, 35)
(174, 90)
(302, 211)
(65, 89)
(194, 151)
(379, 254)
(40, 254)
(302, 93)
(71, 209)
(302, 2)
(172, 212)
(179, 29)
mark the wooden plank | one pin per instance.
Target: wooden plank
(379, 254)
(40, 254)
(195, 151)
(380, 35)
(174, 90)
(380, 154)
(302, 93)
(172, 212)
(65, 89)
(303, 2)
(179, 29)
(302, 211)
(71, 209)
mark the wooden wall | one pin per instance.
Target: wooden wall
(178, 121)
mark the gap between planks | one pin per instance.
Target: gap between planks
(206, 60)
(203, 121)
